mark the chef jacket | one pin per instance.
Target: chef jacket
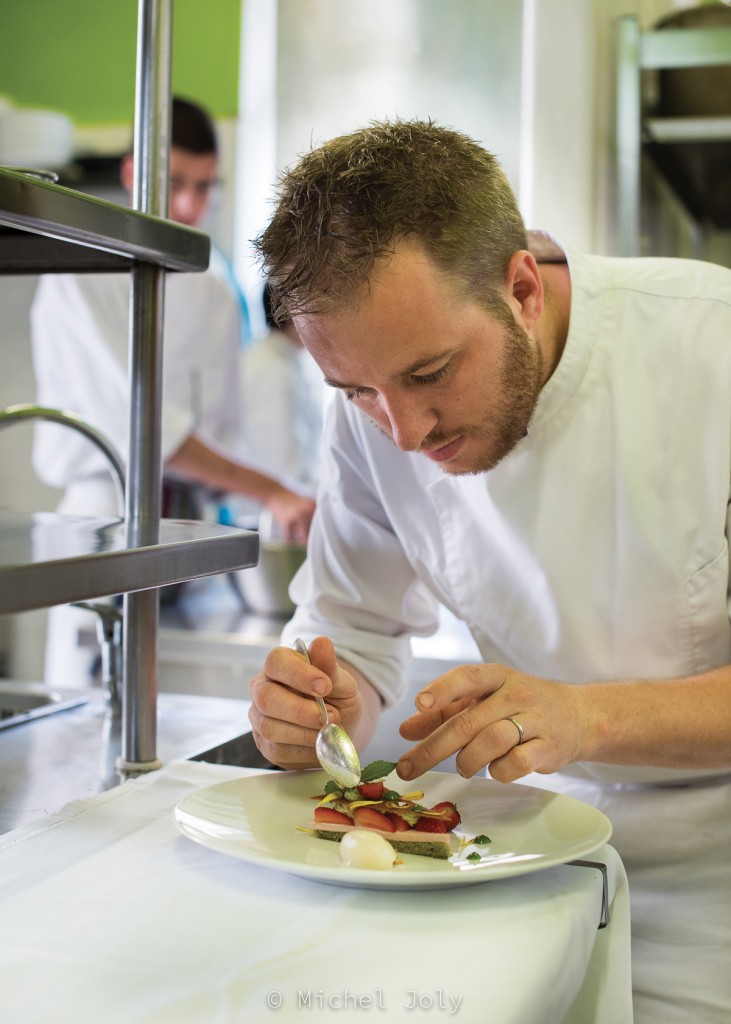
(596, 550)
(283, 401)
(79, 333)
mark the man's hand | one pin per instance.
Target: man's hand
(467, 711)
(293, 514)
(284, 716)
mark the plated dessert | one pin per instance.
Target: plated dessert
(404, 821)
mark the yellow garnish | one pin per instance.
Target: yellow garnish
(301, 828)
(329, 798)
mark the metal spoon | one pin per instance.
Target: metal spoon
(334, 748)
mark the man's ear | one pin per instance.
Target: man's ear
(525, 288)
(126, 173)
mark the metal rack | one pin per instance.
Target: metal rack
(48, 559)
(637, 52)
(46, 228)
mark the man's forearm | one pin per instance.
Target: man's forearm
(675, 723)
(215, 468)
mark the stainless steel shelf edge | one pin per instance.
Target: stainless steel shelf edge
(688, 129)
(685, 48)
(52, 211)
(48, 559)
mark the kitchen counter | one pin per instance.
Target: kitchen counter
(109, 914)
(71, 755)
(105, 901)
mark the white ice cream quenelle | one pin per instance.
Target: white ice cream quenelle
(363, 848)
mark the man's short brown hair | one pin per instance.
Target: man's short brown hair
(347, 204)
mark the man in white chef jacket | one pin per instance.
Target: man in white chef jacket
(80, 341)
(545, 449)
(283, 403)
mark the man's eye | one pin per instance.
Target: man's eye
(432, 378)
(351, 393)
(201, 188)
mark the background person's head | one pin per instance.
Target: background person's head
(347, 204)
(193, 163)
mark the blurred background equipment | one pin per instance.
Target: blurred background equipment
(674, 134)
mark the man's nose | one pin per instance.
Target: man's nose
(409, 422)
(184, 205)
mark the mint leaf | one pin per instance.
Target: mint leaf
(332, 787)
(376, 770)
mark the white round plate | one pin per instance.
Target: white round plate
(256, 819)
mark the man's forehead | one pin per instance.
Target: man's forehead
(354, 349)
(344, 290)
(183, 161)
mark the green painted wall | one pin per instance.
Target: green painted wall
(78, 56)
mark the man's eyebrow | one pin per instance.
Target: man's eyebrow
(337, 384)
(419, 364)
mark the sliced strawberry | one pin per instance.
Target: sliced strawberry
(400, 824)
(451, 820)
(332, 816)
(371, 790)
(430, 825)
(367, 817)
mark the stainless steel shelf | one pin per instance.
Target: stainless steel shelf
(48, 559)
(664, 50)
(46, 228)
(688, 129)
(685, 48)
(45, 559)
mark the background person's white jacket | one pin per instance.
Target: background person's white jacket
(80, 344)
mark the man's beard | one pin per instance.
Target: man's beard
(506, 422)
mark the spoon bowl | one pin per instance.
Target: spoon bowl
(334, 748)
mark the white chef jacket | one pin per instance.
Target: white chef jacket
(283, 404)
(80, 343)
(79, 333)
(596, 550)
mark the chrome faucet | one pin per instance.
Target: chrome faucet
(19, 413)
(109, 634)
(109, 621)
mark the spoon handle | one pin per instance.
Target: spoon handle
(323, 711)
(301, 647)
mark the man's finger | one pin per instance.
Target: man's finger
(465, 684)
(285, 665)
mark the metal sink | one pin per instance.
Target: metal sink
(21, 702)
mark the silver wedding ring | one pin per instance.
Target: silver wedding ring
(519, 727)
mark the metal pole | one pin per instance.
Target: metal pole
(628, 132)
(150, 195)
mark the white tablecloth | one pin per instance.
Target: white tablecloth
(109, 916)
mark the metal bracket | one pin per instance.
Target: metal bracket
(604, 917)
